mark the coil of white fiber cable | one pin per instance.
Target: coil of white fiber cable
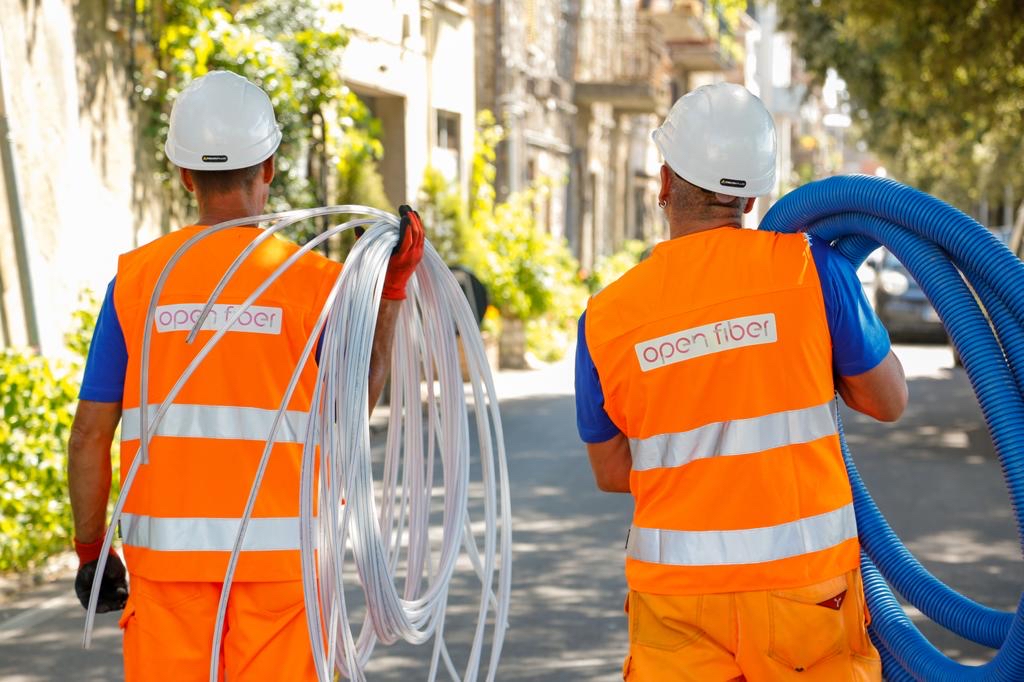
(386, 530)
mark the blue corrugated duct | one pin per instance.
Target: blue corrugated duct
(937, 244)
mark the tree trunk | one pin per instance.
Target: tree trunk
(512, 344)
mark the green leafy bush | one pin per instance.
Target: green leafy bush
(530, 274)
(444, 216)
(37, 398)
(37, 401)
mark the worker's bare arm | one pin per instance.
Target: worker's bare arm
(880, 392)
(611, 462)
(383, 340)
(92, 433)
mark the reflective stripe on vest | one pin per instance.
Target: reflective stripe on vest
(208, 535)
(219, 422)
(749, 546)
(735, 437)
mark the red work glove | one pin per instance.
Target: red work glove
(406, 256)
(113, 588)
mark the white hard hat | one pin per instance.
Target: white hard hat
(221, 121)
(721, 138)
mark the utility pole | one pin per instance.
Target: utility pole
(17, 217)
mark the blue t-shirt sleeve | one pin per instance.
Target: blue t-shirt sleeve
(108, 356)
(859, 340)
(592, 421)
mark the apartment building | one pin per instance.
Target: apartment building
(412, 62)
(525, 69)
(577, 86)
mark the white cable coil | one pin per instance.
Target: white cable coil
(385, 529)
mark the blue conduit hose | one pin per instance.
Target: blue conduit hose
(941, 247)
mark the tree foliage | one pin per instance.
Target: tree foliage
(937, 87)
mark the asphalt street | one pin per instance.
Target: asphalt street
(934, 474)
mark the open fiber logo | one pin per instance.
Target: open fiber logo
(716, 337)
(255, 320)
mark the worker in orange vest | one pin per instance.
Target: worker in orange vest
(182, 514)
(705, 386)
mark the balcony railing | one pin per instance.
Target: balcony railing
(696, 34)
(627, 66)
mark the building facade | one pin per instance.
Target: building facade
(623, 90)
(577, 86)
(76, 187)
(524, 64)
(412, 63)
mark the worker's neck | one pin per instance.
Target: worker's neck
(693, 226)
(226, 207)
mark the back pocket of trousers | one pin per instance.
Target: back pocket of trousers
(806, 624)
(667, 622)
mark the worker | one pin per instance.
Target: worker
(184, 509)
(705, 386)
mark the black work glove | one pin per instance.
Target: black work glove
(113, 589)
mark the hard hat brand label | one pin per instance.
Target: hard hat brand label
(707, 339)
(729, 182)
(215, 158)
(183, 316)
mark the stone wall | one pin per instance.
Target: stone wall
(85, 180)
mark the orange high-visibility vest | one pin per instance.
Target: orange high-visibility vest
(716, 362)
(185, 506)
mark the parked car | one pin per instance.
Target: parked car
(898, 300)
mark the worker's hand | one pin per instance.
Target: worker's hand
(114, 586)
(406, 256)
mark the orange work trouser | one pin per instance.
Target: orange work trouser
(817, 632)
(168, 632)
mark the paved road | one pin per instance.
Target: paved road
(934, 474)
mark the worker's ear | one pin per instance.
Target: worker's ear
(666, 183)
(750, 205)
(268, 170)
(186, 179)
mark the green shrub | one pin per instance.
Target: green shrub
(530, 275)
(444, 216)
(37, 400)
